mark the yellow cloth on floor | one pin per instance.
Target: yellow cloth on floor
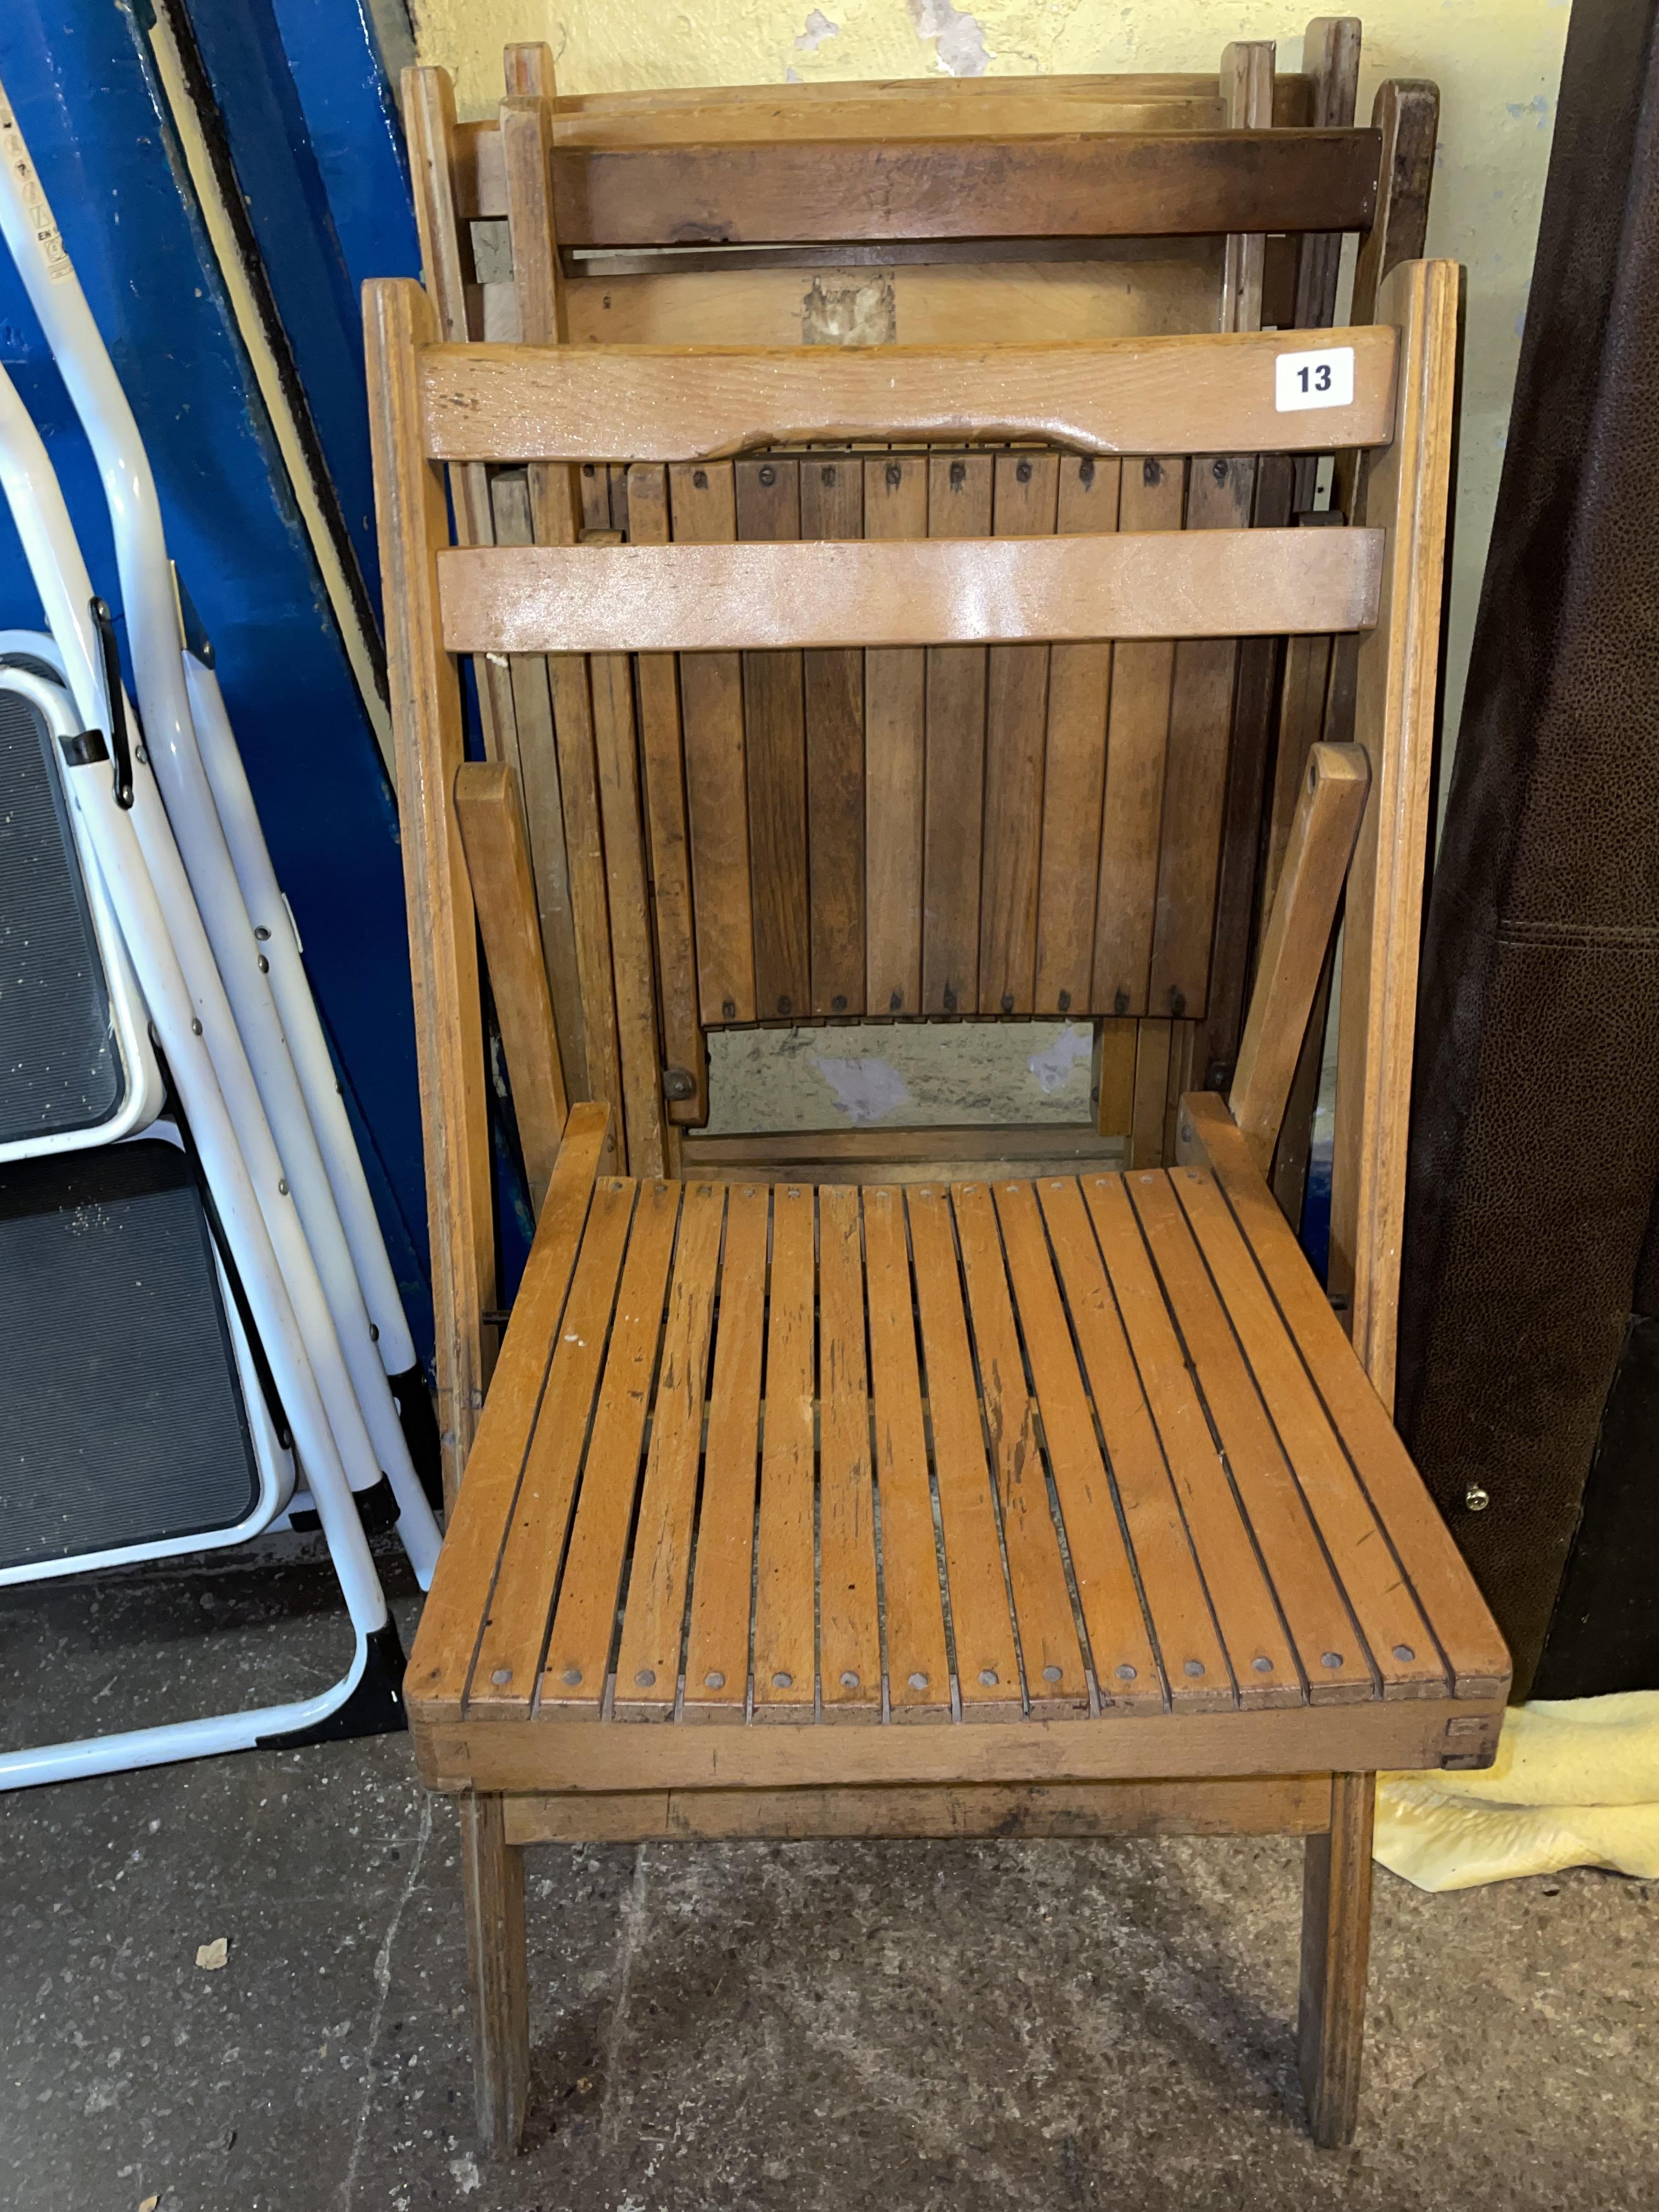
(1575, 1782)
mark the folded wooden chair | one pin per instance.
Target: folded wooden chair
(1052, 1503)
(1008, 220)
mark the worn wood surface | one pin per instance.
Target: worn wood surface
(491, 820)
(1406, 493)
(959, 495)
(503, 403)
(412, 519)
(713, 599)
(1336, 1932)
(1023, 1312)
(1296, 941)
(1279, 1805)
(492, 1900)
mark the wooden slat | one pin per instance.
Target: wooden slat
(1247, 100)
(1280, 1805)
(1117, 185)
(448, 1632)
(1184, 1041)
(717, 1647)
(647, 1662)
(662, 755)
(832, 507)
(1152, 498)
(709, 599)
(786, 1640)
(775, 758)
(916, 1659)
(520, 1606)
(959, 493)
(1255, 695)
(1125, 1663)
(849, 1624)
(974, 1142)
(633, 957)
(1025, 500)
(1140, 395)
(1407, 489)
(1296, 941)
(1445, 1587)
(1116, 1049)
(412, 522)
(1153, 1040)
(1219, 497)
(702, 501)
(1074, 767)
(1389, 1618)
(1330, 62)
(584, 1624)
(895, 712)
(568, 676)
(543, 806)
(429, 126)
(498, 869)
(1182, 1625)
(981, 1624)
(1172, 1369)
(1263, 1501)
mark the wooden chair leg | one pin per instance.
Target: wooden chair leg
(1336, 1934)
(492, 1881)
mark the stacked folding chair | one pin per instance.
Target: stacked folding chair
(922, 214)
(203, 1335)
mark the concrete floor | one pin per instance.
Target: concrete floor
(788, 2026)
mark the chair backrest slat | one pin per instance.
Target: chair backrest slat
(1219, 395)
(756, 596)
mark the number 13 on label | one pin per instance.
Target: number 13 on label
(1323, 378)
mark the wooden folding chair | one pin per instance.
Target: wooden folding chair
(985, 169)
(1054, 1502)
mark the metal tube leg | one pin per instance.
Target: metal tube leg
(492, 1881)
(1336, 1935)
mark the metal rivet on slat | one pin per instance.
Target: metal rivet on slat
(713, 1680)
(1193, 1667)
(700, 479)
(645, 1678)
(1330, 1658)
(1125, 1674)
(849, 1681)
(918, 1682)
(768, 475)
(1404, 1651)
(1262, 1666)
(895, 475)
(1051, 1674)
(988, 1676)
(502, 1677)
(573, 1675)
(782, 1681)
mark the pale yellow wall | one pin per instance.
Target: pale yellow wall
(1497, 62)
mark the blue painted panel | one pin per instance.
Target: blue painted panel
(350, 110)
(81, 82)
(281, 194)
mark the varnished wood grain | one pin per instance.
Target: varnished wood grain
(1294, 944)
(1336, 1927)
(1141, 395)
(713, 599)
(1115, 185)
(491, 819)
(1407, 493)
(895, 720)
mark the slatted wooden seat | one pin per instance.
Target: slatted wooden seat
(1046, 1504)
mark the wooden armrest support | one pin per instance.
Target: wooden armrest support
(444, 1644)
(1316, 856)
(491, 818)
